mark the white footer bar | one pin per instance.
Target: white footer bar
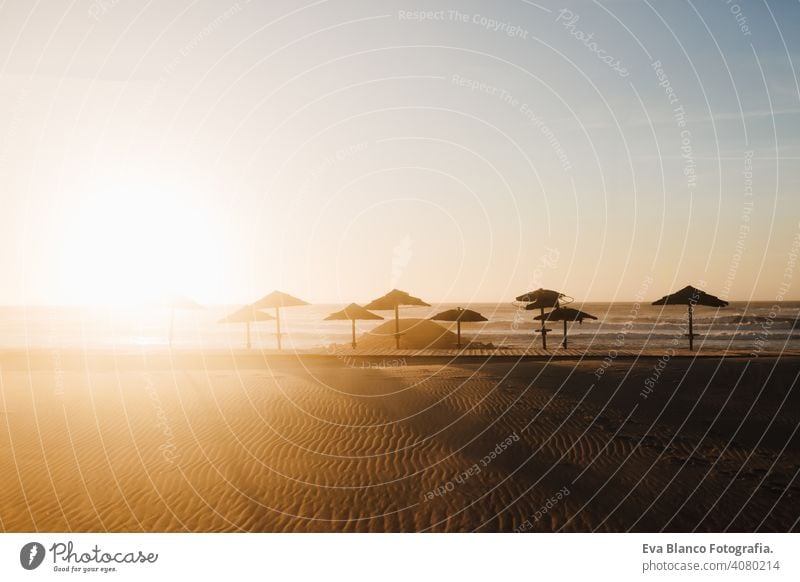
(400, 557)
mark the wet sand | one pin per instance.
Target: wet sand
(207, 443)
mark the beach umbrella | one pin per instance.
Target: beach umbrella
(179, 302)
(393, 300)
(541, 299)
(458, 315)
(565, 314)
(276, 300)
(691, 296)
(352, 312)
(247, 315)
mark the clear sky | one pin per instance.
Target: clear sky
(462, 151)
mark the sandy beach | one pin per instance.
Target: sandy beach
(98, 442)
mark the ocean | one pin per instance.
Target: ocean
(742, 326)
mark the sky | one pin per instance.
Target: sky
(461, 151)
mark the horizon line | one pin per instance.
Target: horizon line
(327, 302)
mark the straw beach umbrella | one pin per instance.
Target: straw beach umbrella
(458, 315)
(352, 312)
(246, 315)
(542, 299)
(393, 300)
(565, 314)
(691, 296)
(179, 302)
(276, 300)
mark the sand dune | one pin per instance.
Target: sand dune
(415, 334)
(324, 446)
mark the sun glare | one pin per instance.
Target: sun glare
(136, 245)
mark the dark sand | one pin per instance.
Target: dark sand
(321, 444)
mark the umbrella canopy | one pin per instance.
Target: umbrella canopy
(564, 314)
(183, 302)
(691, 296)
(352, 312)
(542, 298)
(393, 300)
(247, 315)
(276, 300)
(458, 315)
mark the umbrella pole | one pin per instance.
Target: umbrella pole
(691, 332)
(458, 327)
(354, 333)
(278, 324)
(544, 333)
(247, 323)
(397, 326)
(565, 333)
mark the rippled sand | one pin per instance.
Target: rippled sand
(321, 444)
